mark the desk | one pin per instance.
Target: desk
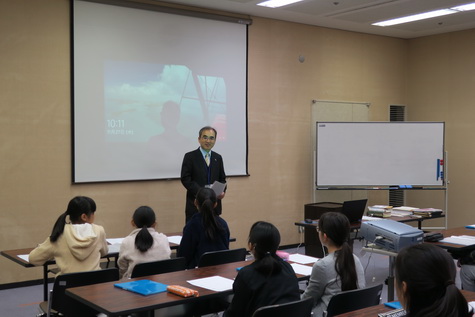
(107, 299)
(456, 250)
(14, 256)
(375, 310)
(317, 252)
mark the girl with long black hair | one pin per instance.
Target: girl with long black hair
(340, 270)
(268, 280)
(205, 231)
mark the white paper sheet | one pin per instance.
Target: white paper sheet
(215, 283)
(114, 248)
(302, 259)
(24, 257)
(115, 240)
(302, 269)
(174, 239)
(463, 240)
(218, 187)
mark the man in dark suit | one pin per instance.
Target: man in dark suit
(196, 173)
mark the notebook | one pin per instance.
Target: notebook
(354, 209)
(143, 287)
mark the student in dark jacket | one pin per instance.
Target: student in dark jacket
(205, 232)
(268, 280)
(425, 283)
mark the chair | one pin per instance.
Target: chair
(222, 257)
(59, 302)
(352, 300)
(300, 308)
(158, 267)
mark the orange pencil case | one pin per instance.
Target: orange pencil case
(182, 291)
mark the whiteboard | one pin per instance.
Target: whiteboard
(379, 153)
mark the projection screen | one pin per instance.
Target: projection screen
(145, 82)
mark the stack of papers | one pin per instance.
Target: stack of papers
(427, 212)
(114, 244)
(174, 239)
(381, 211)
(301, 269)
(302, 259)
(402, 211)
(463, 240)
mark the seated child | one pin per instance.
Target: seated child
(77, 245)
(143, 244)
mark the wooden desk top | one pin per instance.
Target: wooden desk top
(112, 301)
(375, 310)
(13, 254)
(455, 232)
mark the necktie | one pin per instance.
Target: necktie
(207, 159)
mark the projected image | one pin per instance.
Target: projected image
(159, 104)
(145, 82)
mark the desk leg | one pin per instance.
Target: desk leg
(391, 279)
(45, 282)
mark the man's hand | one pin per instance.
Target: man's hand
(221, 196)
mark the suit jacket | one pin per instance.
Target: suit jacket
(195, 174)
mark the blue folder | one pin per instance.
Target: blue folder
(143, 287)
(396, 305)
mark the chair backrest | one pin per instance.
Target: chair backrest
(158, 267)
(222, 257)
(355, 299)
(70, 307)
(300, 308)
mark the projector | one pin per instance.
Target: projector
(390, 235)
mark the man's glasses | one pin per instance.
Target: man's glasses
(205, 137)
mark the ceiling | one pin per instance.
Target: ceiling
(353, 15)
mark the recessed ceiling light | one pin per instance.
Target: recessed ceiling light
(427, 15)
(416, 17)
(277, 3)
(464, 7)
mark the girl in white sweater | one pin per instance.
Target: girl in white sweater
(143, 244)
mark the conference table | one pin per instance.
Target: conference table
(456, 250)
(112, 301)
(17, 256)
